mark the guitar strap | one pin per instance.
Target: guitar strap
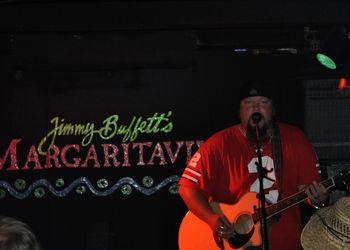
(277, 155)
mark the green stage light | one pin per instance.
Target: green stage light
(333, 49)
(326, 61)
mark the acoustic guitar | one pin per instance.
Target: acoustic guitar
(195, 234)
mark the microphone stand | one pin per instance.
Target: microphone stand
(262, 174)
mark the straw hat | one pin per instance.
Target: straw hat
(328, 228)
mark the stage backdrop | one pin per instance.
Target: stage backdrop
(90, 159)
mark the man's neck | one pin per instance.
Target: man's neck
(250, 133)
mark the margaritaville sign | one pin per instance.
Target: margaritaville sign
(111, 143)
(129, 152)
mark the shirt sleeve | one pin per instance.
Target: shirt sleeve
(201, 169)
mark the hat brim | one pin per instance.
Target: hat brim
(316, 236)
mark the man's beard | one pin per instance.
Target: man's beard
(251, 134)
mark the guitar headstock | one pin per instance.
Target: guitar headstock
(342, 179)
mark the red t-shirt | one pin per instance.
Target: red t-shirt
(224, 169)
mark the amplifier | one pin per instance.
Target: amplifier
(327, 119)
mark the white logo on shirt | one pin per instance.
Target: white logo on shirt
(267, 163)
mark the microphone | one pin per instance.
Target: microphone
(256, 117)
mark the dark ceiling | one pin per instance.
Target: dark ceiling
(42, 16)
(27, 26)
(217, 22)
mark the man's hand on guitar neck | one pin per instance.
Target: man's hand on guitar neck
(222, 229)
(316, 193)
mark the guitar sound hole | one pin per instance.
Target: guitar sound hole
(244, 227)
(244, 224)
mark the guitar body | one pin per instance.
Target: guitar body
(194, 234)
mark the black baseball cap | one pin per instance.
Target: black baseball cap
(257, 88)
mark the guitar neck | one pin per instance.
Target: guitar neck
(289, 201)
